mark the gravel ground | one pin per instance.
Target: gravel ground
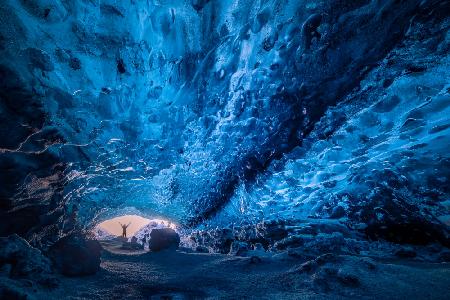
(180, 275)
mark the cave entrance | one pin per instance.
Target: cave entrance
(112, 228)
(137, 231)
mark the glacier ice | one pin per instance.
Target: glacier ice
(208, 113)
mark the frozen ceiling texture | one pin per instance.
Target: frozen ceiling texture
(218, 112)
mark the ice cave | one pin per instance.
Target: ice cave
(224, 149)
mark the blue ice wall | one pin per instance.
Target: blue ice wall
(227, 111)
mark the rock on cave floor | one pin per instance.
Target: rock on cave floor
(181, 275)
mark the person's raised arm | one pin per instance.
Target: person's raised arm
(128, 224)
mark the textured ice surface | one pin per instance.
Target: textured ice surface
(399, 143)
(226, 111)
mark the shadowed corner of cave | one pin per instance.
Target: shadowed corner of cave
(206, 149)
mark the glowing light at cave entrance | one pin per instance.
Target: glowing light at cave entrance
(113, 227)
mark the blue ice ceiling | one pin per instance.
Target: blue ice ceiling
(225, 111)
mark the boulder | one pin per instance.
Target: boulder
(20, 260)
(163, 238)
(75, 255)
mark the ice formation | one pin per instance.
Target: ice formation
(210, 113)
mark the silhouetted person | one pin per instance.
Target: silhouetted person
(124, 229)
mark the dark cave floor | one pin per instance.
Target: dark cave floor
(181, 275)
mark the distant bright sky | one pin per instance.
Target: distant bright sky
(113, 226)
